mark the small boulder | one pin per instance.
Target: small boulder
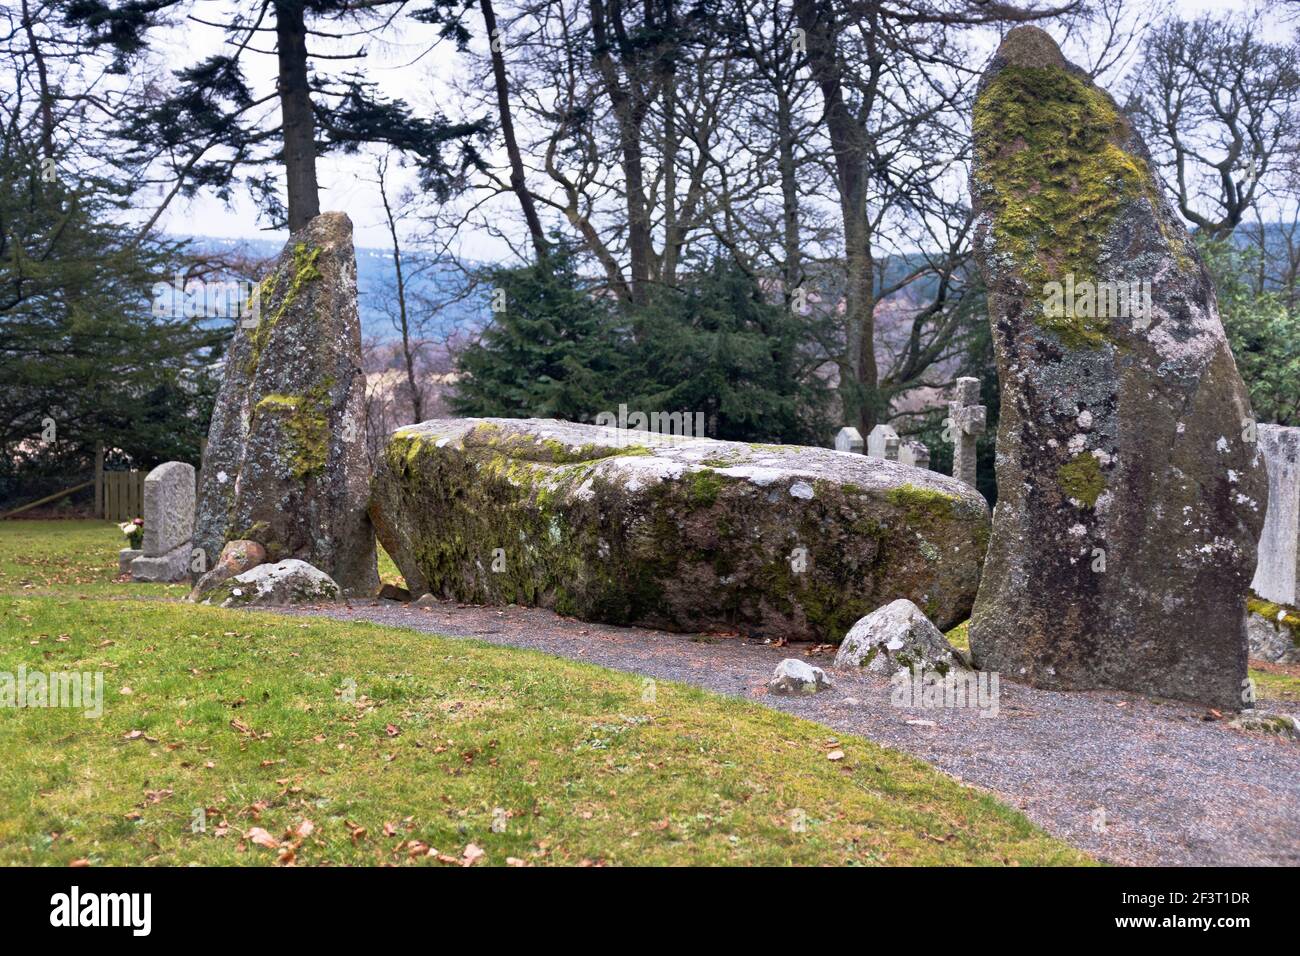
(1273, 632)
(896, 637)
(391, 592)
(1267, 722)
(425, 600)
(291, 581)
(793, 676)
(236, 558)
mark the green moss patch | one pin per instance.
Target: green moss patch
(1053, 171)
(1081, 479)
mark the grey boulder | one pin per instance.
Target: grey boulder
(897, 637)
(624, 527)
(793, 676)
(276, 585)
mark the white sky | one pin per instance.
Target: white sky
(346, 182)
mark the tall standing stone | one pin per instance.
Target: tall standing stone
(1129, 495)
(1277, 576)
(168, 523)
(285, 463)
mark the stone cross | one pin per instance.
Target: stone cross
(914, 453)
(1277, 573)
(168, 523)
(848, 438)
(966, 421)
(883, 442)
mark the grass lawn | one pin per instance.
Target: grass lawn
(313, 742)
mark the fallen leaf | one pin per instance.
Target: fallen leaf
(262, 838)
(835, 755)
(473, 853)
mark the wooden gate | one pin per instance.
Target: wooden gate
(123, 495)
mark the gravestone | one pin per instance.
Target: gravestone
(967, 421)
(914, 453)
(1277, 573)
(883, 442)
(848, 438)
(168, 524)
(285, 464)
(1130, 496)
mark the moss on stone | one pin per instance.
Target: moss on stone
(304, 270)
(305, 419)
(922, 504)
(1053, 171)
(1279, 615)
(704, 487)
(1081, 479)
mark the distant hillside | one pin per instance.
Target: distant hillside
(376, 285)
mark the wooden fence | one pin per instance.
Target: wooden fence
(123, 495)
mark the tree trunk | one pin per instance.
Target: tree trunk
(517, 181)
(849, 141)
(408, 355)
(629, 114)
(299, 125)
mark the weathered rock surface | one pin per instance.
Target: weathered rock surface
(285, 464)
(1130, 497)
(897, 637)
(682, 534)
(1267, 722)
(276, 585)
(236, 558)
(793, 676)
(1277, 575)
(1273, 632)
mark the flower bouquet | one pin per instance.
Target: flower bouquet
(134, 531)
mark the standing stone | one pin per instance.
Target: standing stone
(285, 464)
(1277, 575)
(883, 443)
(914, 453)
(849, 439)
(168, 523)
(1129, 500)
(968, 421)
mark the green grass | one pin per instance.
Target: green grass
(69, 557)
(391, 742)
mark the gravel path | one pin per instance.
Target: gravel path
(1175, 788)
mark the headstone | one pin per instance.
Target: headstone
(1277, 573)
(285, 464)
(883, 442)
(1130, 496)
(848, 438)
(967, 420)
(168, 523)
(914, 453)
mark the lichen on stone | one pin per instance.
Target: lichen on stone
(304, 270)
(1052, 168)
(1081, 479)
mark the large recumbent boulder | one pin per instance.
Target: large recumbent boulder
(684, 534)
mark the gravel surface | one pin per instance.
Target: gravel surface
(1173, 787)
